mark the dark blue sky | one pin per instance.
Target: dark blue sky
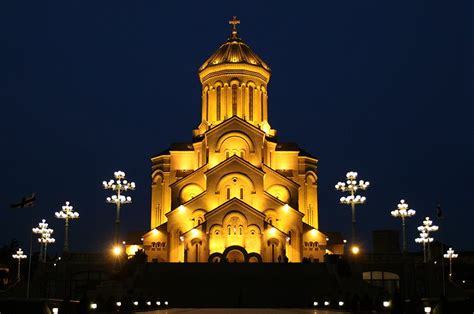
(382, 88)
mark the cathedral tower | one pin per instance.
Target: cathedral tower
(234, 83)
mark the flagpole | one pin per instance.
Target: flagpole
(29, 262)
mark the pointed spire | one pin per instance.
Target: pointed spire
(234, 22)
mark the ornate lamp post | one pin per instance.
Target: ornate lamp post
(119, 185)
(424, 239)
(403, 212)
(351, 186)
(450, 254)
(44, 238)
(66, 213)
(19, 256)
(428, 227)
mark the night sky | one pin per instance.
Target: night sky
(382, 88)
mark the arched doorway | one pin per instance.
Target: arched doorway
(235, 256)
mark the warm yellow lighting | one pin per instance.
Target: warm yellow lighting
(314, 232)
(155, 232)
(117, 250)
(93, 306)
(132, 249)
(355, 250)
(286, 207)
(272, 231)
(194, 232)
(181, 208)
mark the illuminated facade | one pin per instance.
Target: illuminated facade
(234, 194)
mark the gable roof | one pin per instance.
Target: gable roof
(235, 158)
(235, 203)
(280, 175)
(232, 120)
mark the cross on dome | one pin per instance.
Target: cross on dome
(234, 22)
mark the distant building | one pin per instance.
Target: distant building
(234, 194)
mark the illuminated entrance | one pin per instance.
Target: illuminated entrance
(235, 254)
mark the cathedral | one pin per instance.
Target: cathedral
(234, 193)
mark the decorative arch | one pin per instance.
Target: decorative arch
(236, 185)
(241, 137)
(216, 240)
(311, 177)
(235, 228)
(218, 83)
(157, 176)
(280, 192)
(189, 191)
(253, 239)
(252, 83)
(197, 217)
(271, 216)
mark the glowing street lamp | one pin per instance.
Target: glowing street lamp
(403, 212)
(450, 254)
(66, 213)
(424, 239)
(352, 186)
(119, 185)
(44, 238)
(428, 227)
(19, 256)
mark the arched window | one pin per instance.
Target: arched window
(218, 102)
(241, 193)
(228, 229)
(251, 103)
(228, 193)
(261, 104)
(207, 106)
(240, 230)
(234, 100)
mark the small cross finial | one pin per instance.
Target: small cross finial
(234, 23)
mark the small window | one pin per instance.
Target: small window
(163, 244)
(241, 193)
(228, 193)
(251, 103)
(158, 244)
(228, 228)
(218, 102)
(306, 244)
(240, 230)
(234, 99)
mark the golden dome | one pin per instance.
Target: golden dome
(234, 51)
